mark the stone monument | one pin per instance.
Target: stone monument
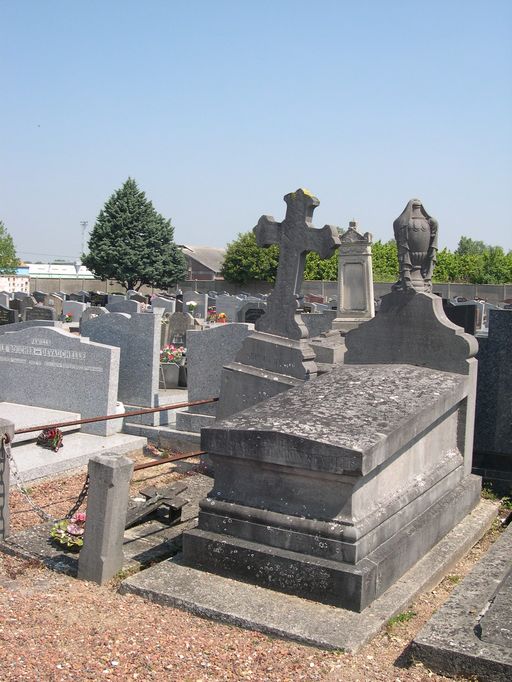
(355, 280)
(277, 356)
(416, 238)
(334, 489)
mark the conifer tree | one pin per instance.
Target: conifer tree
(133, 244)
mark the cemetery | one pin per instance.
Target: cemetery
(322, 458)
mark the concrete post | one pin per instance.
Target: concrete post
(101, 556)
(6, 428)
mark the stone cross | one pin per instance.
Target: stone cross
(296, 237)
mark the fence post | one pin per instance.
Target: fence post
(6, 430)
(101, 556)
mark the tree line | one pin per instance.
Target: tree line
(473, 262)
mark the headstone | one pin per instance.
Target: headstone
(17, 326)
(112, 298)
(4, 299)
(167, 304)
(85, 296)
(138, 337)
(208, 351)
(464, 315)
(135, 296)
(40, 296)
(40, 312)
(179, 325)
(74, 309)
(7, 316)
(27, 302)
(48, 367)
(229, 305)
(251, 311)
(91, 312)
(122, 305)
(493, 423)
(57, 303)
(98, 298)
(355, 280)
(195, 303)
(277, 355)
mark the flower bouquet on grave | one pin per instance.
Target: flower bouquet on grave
(68, 318)
(172, 354)
(191, 307)
(51, 439)
(69, 533)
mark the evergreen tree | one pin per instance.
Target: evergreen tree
(133, 244)
(8, 259)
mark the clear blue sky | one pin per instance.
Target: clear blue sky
(219, 108)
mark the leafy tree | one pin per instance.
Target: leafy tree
(385, 261)
(133, 244)
(468, 246)
(246, 261)
(8, 259)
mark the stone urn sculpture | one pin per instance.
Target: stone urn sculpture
(416, 237)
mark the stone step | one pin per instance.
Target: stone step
(192, 421)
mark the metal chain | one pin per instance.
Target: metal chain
(80, 499)
(21, 487)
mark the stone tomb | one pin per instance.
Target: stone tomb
(47, 367)
(334, 489)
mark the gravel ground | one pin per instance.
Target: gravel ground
(55, 628)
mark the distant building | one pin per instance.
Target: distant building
(65, 270)
(18, 282)
(203, 262)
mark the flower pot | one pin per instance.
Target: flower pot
(169, 375)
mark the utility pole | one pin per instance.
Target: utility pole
(84, 224)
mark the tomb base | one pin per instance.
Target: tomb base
(338, 583)
(266, 366)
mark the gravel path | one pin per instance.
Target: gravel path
(55, 628)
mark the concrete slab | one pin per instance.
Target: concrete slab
(25, 416)
(205, 594)
(166, 436)
(471, 635)
(35, 462)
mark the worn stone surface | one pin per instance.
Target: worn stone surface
(101, 556)
(51, 368)
(471, 634)
(296, 238)
(168, 304)
(138, 338)
(412, 328)
(283, 615)
(327, 481)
